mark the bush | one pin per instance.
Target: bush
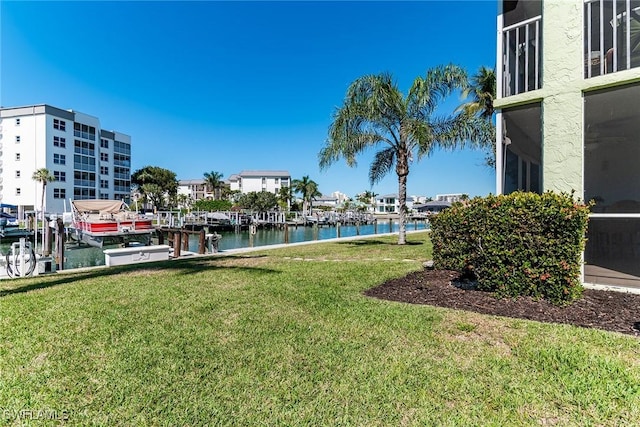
(212, 205)
(521, 244)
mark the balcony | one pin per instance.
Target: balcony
(521, 45)
(612, 36)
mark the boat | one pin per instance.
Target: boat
(214, 221)
(102, 222)
(10, 228)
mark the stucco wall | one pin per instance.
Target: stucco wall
(561, 94)
(563, 68)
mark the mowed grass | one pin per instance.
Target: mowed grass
(285, 337)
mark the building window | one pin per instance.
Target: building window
(121, 160)
(18, 191)
(84, 193)
(84, 131)
(522, 149)
(84, 179)
(611, 176)
(17, 139)
(611, 36)
(276, 181)
(59, 193)
(104, 157)
(17, 157)
(59, 142)
(60, 176)
(122, 147)
(17, 121)
(104, 170)
(104, 183)
(84, 147)
(60, 125)
(59, 159)
(104, 143)
(17, 174)
(84, 163)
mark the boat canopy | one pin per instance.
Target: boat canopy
(97, 205)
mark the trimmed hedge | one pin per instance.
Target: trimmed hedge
(521, 244)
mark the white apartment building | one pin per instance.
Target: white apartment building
(390, 203)
(194, 188)
(86, 161)
(259, 180)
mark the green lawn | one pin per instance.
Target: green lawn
(285, 337)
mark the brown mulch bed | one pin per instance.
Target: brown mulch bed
(607, 310)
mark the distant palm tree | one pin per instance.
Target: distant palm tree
(309, 191)
(185, 201)
(481, 90)
(44, 177)
(214, 183)
(375, 112)
(285, 196)
(368, 198)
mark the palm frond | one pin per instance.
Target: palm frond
(370, 115)
(382, 164)
(426, 93)
(460, 131)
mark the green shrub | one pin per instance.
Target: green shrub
(521, 244)
(212, 205)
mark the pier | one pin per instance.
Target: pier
(238, 221)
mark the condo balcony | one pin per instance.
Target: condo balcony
(520, 47)
(612, 36)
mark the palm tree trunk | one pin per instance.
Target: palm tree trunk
(402, 169)
(402, 214)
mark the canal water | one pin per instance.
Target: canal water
(77, 256)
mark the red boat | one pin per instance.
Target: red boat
(99, 222)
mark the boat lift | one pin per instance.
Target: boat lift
(21, 261)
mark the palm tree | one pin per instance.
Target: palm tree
(481, 90)
(375, 113)
(214, 183)
(285, 195)
(368, 198)
(43, 176)
(308, 189)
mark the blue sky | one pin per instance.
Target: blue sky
(228, 86)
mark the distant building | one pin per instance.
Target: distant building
(433, 206)
(259, 180)
(87, 161)
(448, 198)
(340, 197)
(194, 188)
(390, 203)
(330, 201)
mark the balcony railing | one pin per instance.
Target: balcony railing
(612, 36)
(521, 43)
